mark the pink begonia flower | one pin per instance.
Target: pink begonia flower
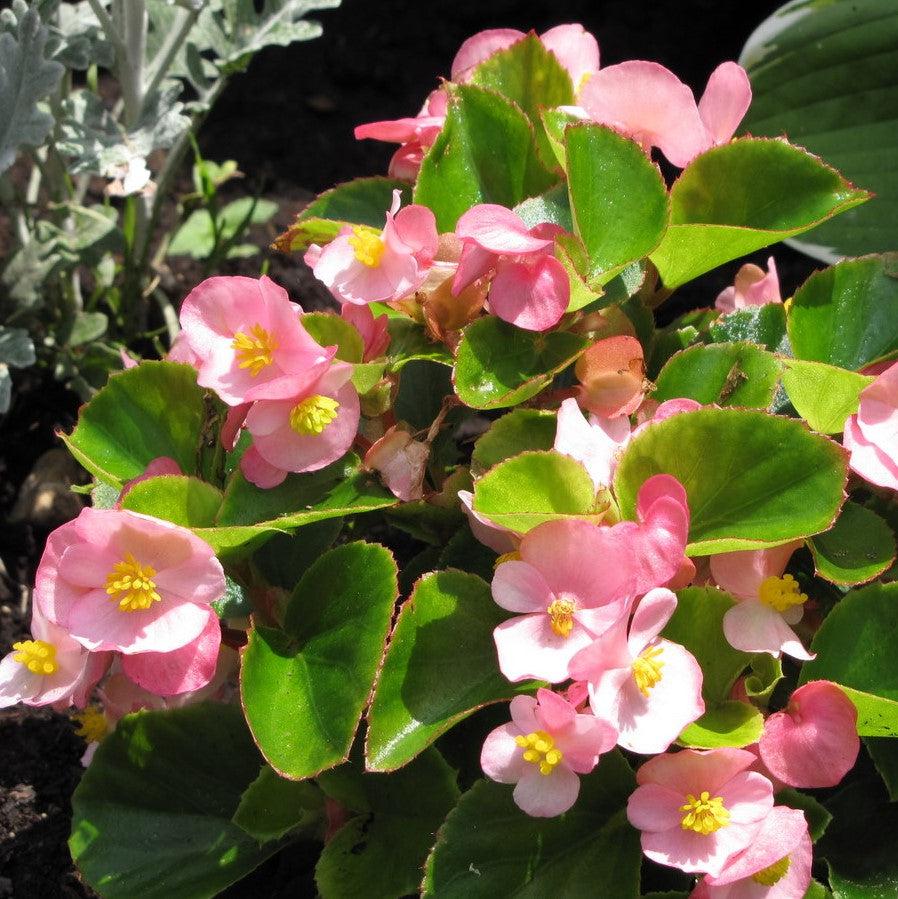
(161, 465)
(119, 580)
(182, 352)
(574, 47)
(543, 749)
(50, 669)
(813, 742)
(363, 265)
(648, 103)
(775, 865)
(596, 444)
(233, 425)
(612, 375)
(248, 340)
(753, 287)
(566, 599)
(648, 688)
(662, 503)
(401, 462)
(303, 433)
(871, 436)
(530, 287)
(651, 412)
(697, 809)
(128, 361)
(497, 538)
(373, 331)
(768, 600)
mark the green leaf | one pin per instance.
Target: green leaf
(304, 687)
(284, 558)
(823, 395)
(753, 480)
(363, 201)
(197, 236)
(186, 501)
(766, 673)
(553, 206)
(382, 850)
(859, 547)
(488, 847)
(742, 196)
(618, 199)
(725, 374)
(764, 325)
(409, 343)
(170, 780)
(272, 806)
(155, 409)
(884, 752)
(847, 315)
(329, 329)
(87, 326)
(527, 490)
(440, 667)
(815, 814)
(486, 153)
(514, 433)
(697, 624)
(855, 648)
(499, 365)
(732, 723)
(824, 75)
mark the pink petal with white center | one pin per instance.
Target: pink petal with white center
(501, 758)
(742, 573)
(694, 770)
(725, 101)
(497, 538)
(86, 567)
(813, 742)
(594, 444)
(648, 103)
(545, 796)
(519, 587)
(877, 415)
(532, 294)
(748, 797)
(867, 460)
(259, 472)
(529, 648)
(170, 673)
(575, 48)
(754, 627)
(653, 808)
(499, 230)
(480, 47)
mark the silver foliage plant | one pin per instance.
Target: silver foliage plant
(84, 256)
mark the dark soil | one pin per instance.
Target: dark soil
(288, 122)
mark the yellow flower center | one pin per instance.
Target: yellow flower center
(91, 724)
(774, 874)
(704, 815)
(255, 350)
(311, 416)
(539, 749)
(647, 668)
(513, 556)
(131, 585)
(367, 245)
(781, 593)
(561, 616)
(38, 656)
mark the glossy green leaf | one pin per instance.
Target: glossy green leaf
(752, 480)
(855, 648)
(847, 315)
(732, 723)
(766, 672)
(742, 196)
(516, 432)
(884, 752)
(823, 74)
(499, 365)
(155, 409)
(440, 667)
(764, 325)
(409, 343)
(553, 206)
(859, 547)
(488, 847)
(527, 490)
(618, 199)
(381, 851)
(329, 329)
(724, 374)
(823, 395)
(189, 502)
(304, 687)
(272, 806)
(171, 781)
(486, 153)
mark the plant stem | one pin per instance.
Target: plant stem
(169, 49)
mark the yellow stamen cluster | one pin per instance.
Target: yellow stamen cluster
(38, 656)
(647, 668)
(513, 556)
(781, 593)
(255, 350)
(91, 723)
(311, 416)
(774, 874)
(539, 749)
(135, 584)
(704, 815)
(561, 616)
(367, 246)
